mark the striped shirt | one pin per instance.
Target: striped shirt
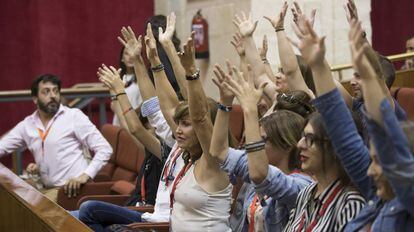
(331, 211)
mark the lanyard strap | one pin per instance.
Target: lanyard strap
(253, 207)
(177, 180)
(321, 212)
(170, 166)
(143, 190)
(44, 135)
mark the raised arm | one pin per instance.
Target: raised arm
(220, 139)
(286, 55)
(263, 56)
(246, 28)
(340, 127)
(392, 147)
(237, 42)
(165, 40)
(133, 48)
(198, 107)
(110, 77)
(243, 88)
(165, 92)
(371, 55)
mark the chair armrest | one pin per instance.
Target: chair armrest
(123, 187)
(148, 226)
(90, 188)
(142, 209)
(113, 199)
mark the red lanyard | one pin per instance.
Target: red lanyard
(170, 166)
(143, 190)
(253, 207)
(177, 180)
(44, 135)
(321, 212)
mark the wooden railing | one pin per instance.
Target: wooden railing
(403, 78)
(23, 208)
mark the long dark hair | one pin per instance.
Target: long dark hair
(124, 69)
(326, 148)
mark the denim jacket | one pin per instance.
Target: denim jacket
(393, 215)
(281, 189)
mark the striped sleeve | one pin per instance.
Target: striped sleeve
(354, 204)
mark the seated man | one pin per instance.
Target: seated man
(56, 135)
(409, 63)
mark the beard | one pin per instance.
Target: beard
(50, 108)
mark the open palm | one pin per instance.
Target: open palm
(133, 46)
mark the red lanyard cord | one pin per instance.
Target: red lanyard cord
(44, 135)
(253, 207)
(170, 166)
(321, 212)
(177, 180)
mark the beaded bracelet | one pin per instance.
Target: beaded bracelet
(224, 107)
(158, 68)
(127, 110)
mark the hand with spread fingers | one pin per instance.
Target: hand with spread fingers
(300, 18)
(166, 36)
(358, 51)
(311, 46)
(187, 57)
(132, 45)
(220, 77)
(110, 77)
(351, 11)
(245, 91)
(237, 42)
(73, 185)
(278, 23)
(264, 48)
(151, 44)
(245, 24)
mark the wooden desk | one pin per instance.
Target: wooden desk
(23, 208)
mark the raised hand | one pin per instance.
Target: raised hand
(133, 47)
(220, 77)
(110, 77)
(169, 29)
(237, 42)
(311, 46)
(358, 50)
(243, 88)
(264, 48)
(245, 24)
(151, 44)
(351, 11)
(300, 18)
(278, 22)
(187, 57)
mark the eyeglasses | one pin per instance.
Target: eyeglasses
(311, 138)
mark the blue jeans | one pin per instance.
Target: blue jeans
(98, 215)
